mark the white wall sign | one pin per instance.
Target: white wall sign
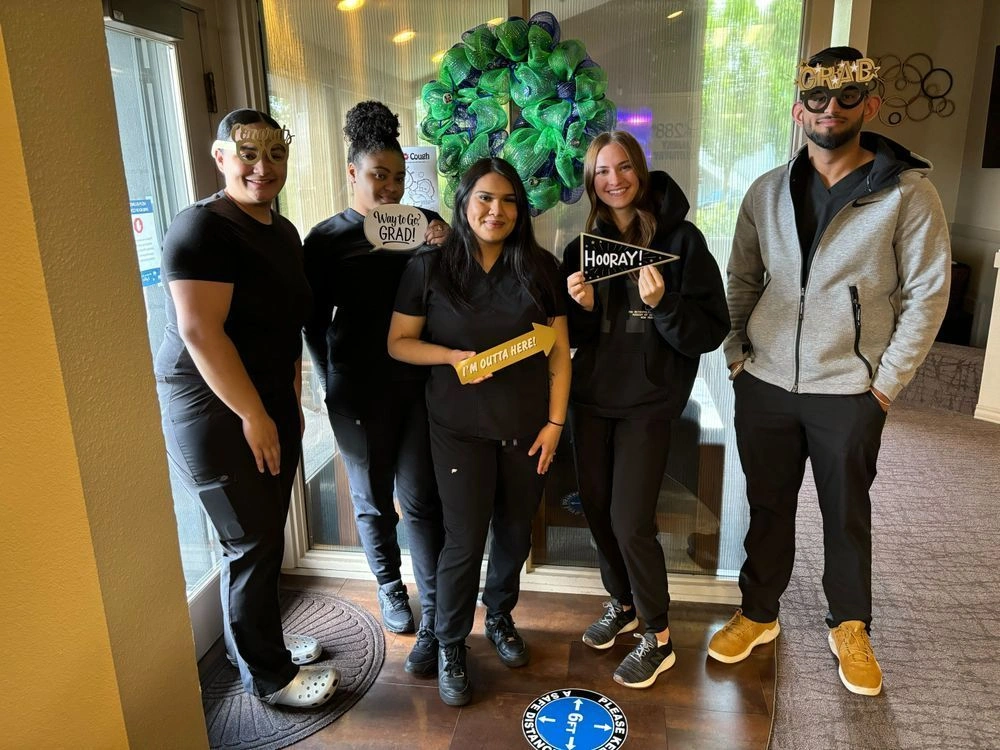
(147, 247)
(421, 177)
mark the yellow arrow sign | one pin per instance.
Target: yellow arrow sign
(539, 339)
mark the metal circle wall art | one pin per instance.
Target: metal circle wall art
(913, 89)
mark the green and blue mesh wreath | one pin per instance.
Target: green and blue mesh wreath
(558, 89)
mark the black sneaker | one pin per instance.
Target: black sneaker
(395, 605)
(614, 621)
(641, 667)
(423, 656)
(509, 644)
(453, 679)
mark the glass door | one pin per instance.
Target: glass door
(702, 84)
(158, 172)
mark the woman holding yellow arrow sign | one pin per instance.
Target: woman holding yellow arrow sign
(478, 311)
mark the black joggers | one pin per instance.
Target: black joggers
(619, 467)
(390, 449)
(211, 457)
(482, 483)
(776, 431)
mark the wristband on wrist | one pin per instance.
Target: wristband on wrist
(735, 370)
(885, 402)
(557, 424)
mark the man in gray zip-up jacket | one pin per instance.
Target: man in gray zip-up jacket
(837, 285)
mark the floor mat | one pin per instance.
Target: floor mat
(352, 642)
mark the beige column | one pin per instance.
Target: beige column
(97, 641)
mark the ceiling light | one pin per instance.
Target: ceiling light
(438, 56)
(495, 21)
(350, 4)
(674, 15)
(404, 36)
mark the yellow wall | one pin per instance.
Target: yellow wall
(98, 646)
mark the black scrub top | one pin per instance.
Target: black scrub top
(349, 348)
(514, 402)
(214, 240)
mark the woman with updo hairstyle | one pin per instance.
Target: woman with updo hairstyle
(494, 438)
(638, 338)
(228, 376)
(376, 404)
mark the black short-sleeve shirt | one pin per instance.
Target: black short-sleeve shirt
(514, 402)
(213, 240)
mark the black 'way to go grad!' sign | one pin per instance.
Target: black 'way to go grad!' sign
(601, 258)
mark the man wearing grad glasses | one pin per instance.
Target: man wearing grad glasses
(837, 284)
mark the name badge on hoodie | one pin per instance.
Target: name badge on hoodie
(602, 258)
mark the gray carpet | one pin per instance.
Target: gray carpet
(936, 601)
(352, 641)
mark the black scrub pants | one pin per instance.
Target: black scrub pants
(482, 483)
(620, 465)
(391, 448)
(206, 446)
(776, 431)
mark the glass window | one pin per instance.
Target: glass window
(321, 61)
(157, 172)
(705, 85)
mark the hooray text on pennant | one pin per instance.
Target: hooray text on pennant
(539, 339)
(602, 258)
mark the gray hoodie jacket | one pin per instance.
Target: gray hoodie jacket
(877, 286)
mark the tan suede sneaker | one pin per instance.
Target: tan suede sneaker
(859, 670)
(738, 637)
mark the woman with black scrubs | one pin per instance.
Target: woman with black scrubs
(493, 439)
(376, 404)
(639, 337)
(229, 378)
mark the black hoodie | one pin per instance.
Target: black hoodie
(632, 360)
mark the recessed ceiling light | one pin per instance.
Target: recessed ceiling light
(404, 36)
(350, 4)
(438, 56)
(674, 15)
(495, 21)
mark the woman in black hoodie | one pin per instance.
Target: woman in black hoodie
(638, 338)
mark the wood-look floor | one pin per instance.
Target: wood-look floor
(698, 704)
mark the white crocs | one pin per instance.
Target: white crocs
(304, 648)
(311, 687)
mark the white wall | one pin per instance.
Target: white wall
(961, 36)
(976, 232)
(951, 38)
(979, 197)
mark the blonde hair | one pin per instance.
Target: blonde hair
(642, 228)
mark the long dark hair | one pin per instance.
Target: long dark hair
(643, 226)
(370, 127)
(521, 252)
